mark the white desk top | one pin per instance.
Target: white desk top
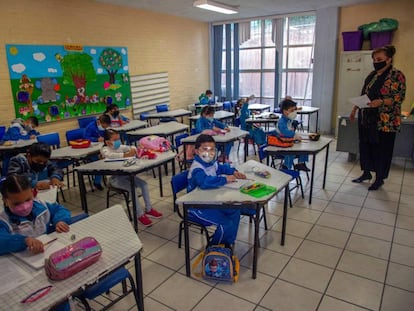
(307, 110)
(170, 113)
(219, 115)
(308, 146)
(227, 196)
(215, 105)
(74, 153)
(233, 135)
(258, 107)
(130, 126)
(162, 129)
(16, 144)
(117, 166)
(119, 242)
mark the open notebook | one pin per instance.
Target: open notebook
(237, 184)
(38, 261)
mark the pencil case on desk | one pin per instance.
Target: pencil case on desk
(72, 258)
(257, 189)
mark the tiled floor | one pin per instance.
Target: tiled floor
(350, 250)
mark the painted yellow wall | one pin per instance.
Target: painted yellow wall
(155, 42)
(401, 10)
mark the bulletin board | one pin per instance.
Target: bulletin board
(54, 82)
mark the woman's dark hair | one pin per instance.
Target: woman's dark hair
(15, 184)
(388, 50)
(287, 104)
(108, 134)
(207, 110)
(40, 149)
(203, 138)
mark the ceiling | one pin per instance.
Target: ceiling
(248, 8)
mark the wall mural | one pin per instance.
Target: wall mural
(54, 82)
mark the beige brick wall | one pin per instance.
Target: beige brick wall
(155, 42)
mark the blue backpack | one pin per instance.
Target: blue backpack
(218, 263)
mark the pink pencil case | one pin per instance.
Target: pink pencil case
(73, 258)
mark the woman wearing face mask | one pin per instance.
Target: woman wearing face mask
(113, 149)
(285, 128)
(36, 166)
(379, 122)
(25, 218)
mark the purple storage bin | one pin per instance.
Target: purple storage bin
(352, 40)
(379, 39)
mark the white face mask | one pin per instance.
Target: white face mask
(208, 155)
(292, 115)
(100, 127)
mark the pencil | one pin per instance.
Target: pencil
(51, 241)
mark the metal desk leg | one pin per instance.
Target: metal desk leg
(134, 201)
(138, 282)
(82, 190)
(186, 242)
(285, 211)
(317, 120)
(160, 180)
(246, 148)
(326, 166)
(173, 166)
(312, 176)
(256, 240)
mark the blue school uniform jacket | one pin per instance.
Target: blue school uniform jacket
(205, 124)
(19, 165)
(92, 132)
(285, 127)
(15, 229)
(207, 175)
(18, 130)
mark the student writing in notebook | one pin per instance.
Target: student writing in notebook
(114, 149)
(25, 218)
(205, 172)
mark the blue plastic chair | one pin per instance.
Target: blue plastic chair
(163, 108)
(2, 131)
(143, 116)
(75, 134)
(179, 183)
(227, 106)
(83, 122)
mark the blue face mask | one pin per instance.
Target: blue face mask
(210, 119)
(117, 144)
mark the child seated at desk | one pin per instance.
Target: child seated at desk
(117, 119)
(205, 172)
(36, 166)
(25, 218)
(285, 128)
(94, 131)
(207, 122)
(113, 149)
(22, 129)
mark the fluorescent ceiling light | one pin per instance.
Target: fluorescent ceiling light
(216, 6)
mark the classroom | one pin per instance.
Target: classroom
(331, 238)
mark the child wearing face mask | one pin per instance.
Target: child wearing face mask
(22, 129)
(205, 172)
(207, 122)
(25, 218)
(41, 172)
(117, 119)
(285, 128)
(114, 149)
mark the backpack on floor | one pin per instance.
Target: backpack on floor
(217, 263)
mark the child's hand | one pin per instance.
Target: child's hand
(56, 183)
(101, 139)
(239, 175)
(130, 153)
(43, 185)
(32, 136)
(34, 246)
(62, 227)
(298, 137)
(230, 178)
(227, 129)
(216, 129)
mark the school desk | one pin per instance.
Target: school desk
(220, 115)
(309, 111)
(170, 114)
(12, 148)
(259, 107)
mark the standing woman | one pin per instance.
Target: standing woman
(378, 123)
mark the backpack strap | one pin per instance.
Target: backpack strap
(196, 263)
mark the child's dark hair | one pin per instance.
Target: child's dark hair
(203, 138)
(110, 107)
(287, 104)
(15, 184)
(105, 119)
(207, 110)
(209, 92)
(40, 149)
(33, 120)
(108, 134)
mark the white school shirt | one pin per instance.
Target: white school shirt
(111, 153)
